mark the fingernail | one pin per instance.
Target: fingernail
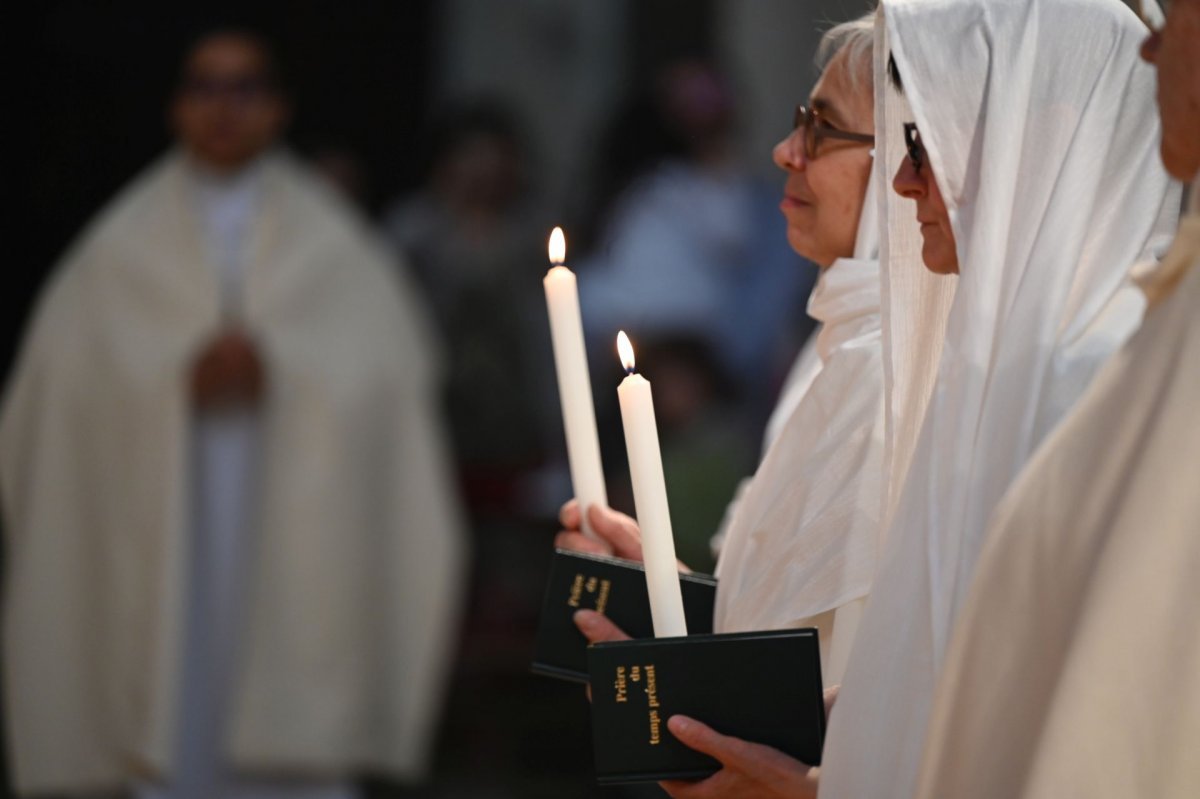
(585, 618)
(679, 724)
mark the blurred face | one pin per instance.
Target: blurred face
(915, 181)
(227, 109)
(483, 174)
(823, 195)
(1175, 50)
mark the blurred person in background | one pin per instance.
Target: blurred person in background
(690, 245)
(477, 243)
(233, 553)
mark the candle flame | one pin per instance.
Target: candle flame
(626, 351)
(558, 246)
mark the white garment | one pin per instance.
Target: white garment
(357, 552)
(1075, 666)
(1038, 122)
(800, 376)
(225, 460)
(802, 540)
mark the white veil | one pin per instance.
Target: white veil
(1038, 121)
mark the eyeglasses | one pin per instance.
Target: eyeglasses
(815, 133)
(240, 88)
(912, 141)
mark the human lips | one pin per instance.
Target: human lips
(790, 201)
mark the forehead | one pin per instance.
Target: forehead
(225, 54)
(838, 88)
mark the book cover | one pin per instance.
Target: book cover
(614, 587)
(763, 687)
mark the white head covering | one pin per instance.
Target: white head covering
(1038, 123)
(802, 538)
(1072, 670)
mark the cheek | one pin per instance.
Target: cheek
(839, 188)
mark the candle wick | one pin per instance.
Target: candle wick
(629, 370)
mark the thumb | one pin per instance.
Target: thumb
(597, 627)
(703, 738)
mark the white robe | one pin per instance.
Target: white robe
(351, 603)
(1039, 125)
(1075, 666)
(801, 542)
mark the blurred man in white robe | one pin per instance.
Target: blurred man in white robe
(1075, 666)
(233, 554)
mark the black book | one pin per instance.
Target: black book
(614, 587)
(763, 687)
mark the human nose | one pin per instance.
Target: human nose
(1149, 49)
(789, 152)
(908, 182)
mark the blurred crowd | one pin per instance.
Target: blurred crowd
(368, 418)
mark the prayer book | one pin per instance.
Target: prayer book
(614, 587)
(763, 687)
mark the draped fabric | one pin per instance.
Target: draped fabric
(1039, 125)
(1073, 670)
(802, 538)
(357, 550)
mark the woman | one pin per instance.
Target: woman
(800, 546)
(1110, 706)
(801, 536)
(1036, 178)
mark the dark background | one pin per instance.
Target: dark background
(90, 84)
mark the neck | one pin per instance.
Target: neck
(223, 173)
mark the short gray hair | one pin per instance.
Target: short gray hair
(857, 39)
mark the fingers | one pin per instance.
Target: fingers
(578, 542)
(620, 531)
(732, 752)
(597, 627)
(568, 515)
(677, 789)
(831, 694)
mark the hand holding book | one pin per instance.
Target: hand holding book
(748, 770)
(618, 535)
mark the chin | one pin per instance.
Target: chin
(1180, 161)
(939, 261)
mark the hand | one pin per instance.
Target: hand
(597, 627)
(748, 770)
(618, 535)
(228, 372)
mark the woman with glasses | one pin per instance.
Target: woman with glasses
(1110, 706)
(1025, 145)
(799, 548)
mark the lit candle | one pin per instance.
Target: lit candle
(650, 497)
(574, 383)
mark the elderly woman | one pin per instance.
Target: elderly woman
(800, 546)
(1031, 141)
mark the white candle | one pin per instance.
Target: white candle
(650, 497)
(574, 383)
